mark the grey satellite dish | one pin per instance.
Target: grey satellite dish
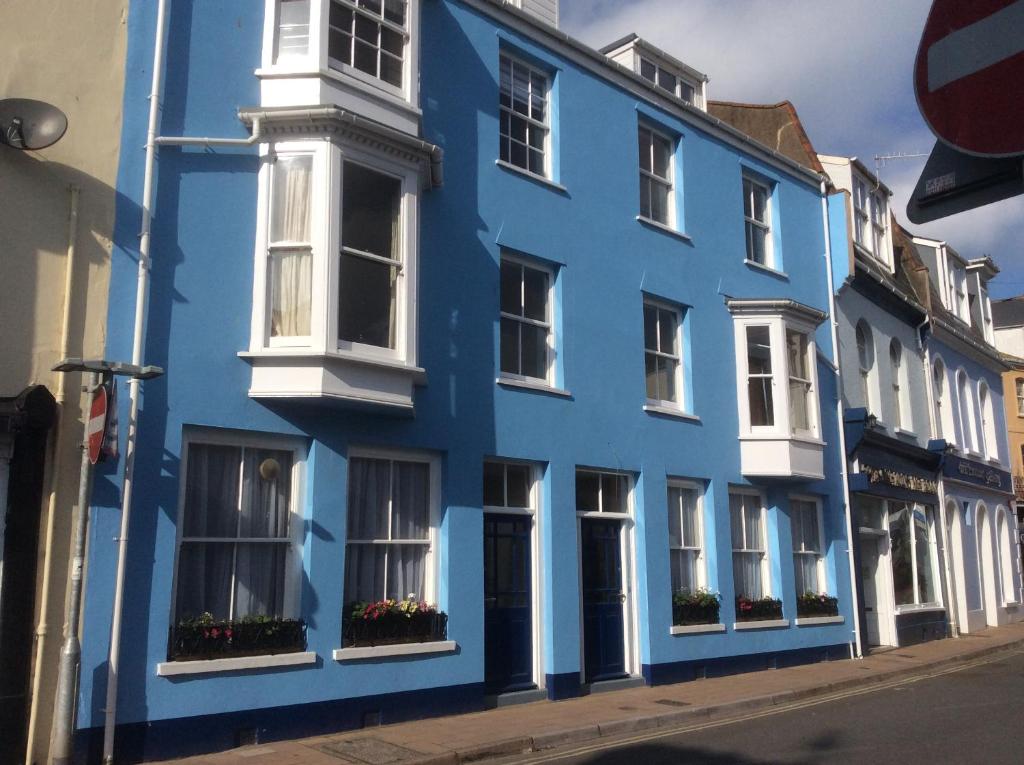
(28, 124)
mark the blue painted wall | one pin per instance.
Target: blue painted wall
(203, 244)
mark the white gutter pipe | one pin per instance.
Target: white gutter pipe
(141, 307)
(43, 627)
(839, 416)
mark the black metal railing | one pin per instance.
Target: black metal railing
(196, 639)
(394, 628)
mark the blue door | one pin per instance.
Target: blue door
(508, 619)
(604, 650)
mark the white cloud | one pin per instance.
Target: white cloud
(847, 66)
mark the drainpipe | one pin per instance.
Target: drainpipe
(141, 299)
(43, 628)
(856, 644)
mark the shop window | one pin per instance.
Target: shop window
(913, 561)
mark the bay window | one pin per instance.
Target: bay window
(290, 247)
(760, 380)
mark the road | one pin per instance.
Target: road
(972, 714)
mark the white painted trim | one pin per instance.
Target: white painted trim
(695, 629)
(543, 180)
(763, 624)
(400, 649)
(663, 228)
(234, 664)
(539, 386)
(767, 269)
(810, 621)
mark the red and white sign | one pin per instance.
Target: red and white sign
(97, 423)
(969, 75)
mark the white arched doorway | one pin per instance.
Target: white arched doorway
(958, 606)
(987, 566)
(1007, 558)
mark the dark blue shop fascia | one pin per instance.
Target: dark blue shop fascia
(977, 473)
(885, 453)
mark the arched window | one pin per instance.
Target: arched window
(896, 364)
(988, 431)
(866, 362)
(1007, 560)
(939, 395)
(1019, 387)
(968, 438)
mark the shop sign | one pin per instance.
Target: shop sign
(899, 480)
(977, 473)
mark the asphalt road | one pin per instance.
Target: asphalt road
(970, 715)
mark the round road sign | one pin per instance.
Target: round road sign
(97, 422)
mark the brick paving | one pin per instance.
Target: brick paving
(543, 724)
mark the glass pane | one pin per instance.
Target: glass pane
(667, 330)
(505, 76)
(762, 405)
(391, 70)
(406, 566)
(647, 70)
(538, 91)
(746, 571)
(736, 519)
(922, 539)
(410, 505)
(371, 212)
(366, 30)
(675, 524)
(494, 484)
(645, 148)
(518, 153)
(534, 351)
(536, 161)
(796, 343)
(667, 81)
(688, 570)
(686, 92)
(369, 498)
(291, 292)
(662, 157)
(755, 523)
(690, 519)
(366, 301)
(510, 346)
(266, 489)
(364, 573)
(759, 351)
(902, 558)
(339, 46)
(341, 17)
(511, 287)
(613, 493)
(806, 573)
(659, 202)
(394, 11)
(587, 489)
(535, 294)
(292, 30)
(651, 375)
(650, 327)
(365, 58)
(518, 481)
(756, 244)
(392, 42)
(798, 414)
(211, 491)
(760, 203)
(259, 579)
(520, 128)
(677, 561)
(645, 197)
(204, 579)
(666, 379)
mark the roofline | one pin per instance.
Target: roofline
(629, 79)
(771, 305)
(638, 42)
(861, 167)
(805, 140)
(983, 348)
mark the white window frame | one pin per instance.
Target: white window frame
(1018, 384)
(871, 220)
(431, 561)
(548, 324)
(819, 554)
(764, 227)
(806, 383)
(939, 398)
(701, 563)
(866, 366)
(986, 314)
(651, 176)
(898, 381)
(679, 402)
(326, 221)
(987, 428)
(679, 80)
(545, 125)
(1007, 559)
(968, 422)
(933, 558)
(766, 580)
(296, 526)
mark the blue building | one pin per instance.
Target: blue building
(483, 321)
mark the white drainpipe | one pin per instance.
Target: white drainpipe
(839, 416)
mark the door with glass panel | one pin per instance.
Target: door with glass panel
(604, 654)
(869, 558)
(508, 628)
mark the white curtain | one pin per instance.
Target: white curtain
(292, 266)
(260, 566)
(746, 571)
(291, 282)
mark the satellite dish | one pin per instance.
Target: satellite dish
(28, 124)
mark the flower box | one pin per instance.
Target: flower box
(389, 622)
(810, 604)
(701, 607)
(762, 609)
(209, 638)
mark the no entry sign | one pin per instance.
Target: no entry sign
(97, 422)
(969, 75)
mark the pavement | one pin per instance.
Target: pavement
(521, 729)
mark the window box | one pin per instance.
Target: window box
(700, 607)
(389, 622)
(760, 610)
(207, 638)
(810, 604)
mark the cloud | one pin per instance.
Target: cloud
(845, 65)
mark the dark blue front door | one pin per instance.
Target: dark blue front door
(604, 654)
(508, 622)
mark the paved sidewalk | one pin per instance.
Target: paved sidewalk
(541, 725)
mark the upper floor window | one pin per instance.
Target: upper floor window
(800, 386)
(667, 80)
(749, 545)
(685, 536)
(369, 35)
(762, 361)
(897, 374)
(986, 317)
(939, 397)
(1019, 388)
(656, 197)
(238, 549)
(968, 437)
(808, 564)
(870, 211)
(959, 302)
(865, 363)
(758, 221)
(662, 357)
(990, 449)
(290, 249)
(524, 110)
(760, 378)
(526, 327)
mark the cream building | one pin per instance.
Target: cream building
(56, 222)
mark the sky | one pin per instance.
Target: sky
(847, 66)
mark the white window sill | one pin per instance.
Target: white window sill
(400, 649)
(695, 629)
(782, 437)
(670, 411)
(531, 176)
(534, 385)
(356, 358)
(904, 432)
(234, 664)
(766, 269)
(664, 229)
(764, 624)
(1013, 604)
(811, 621)
(349, 76)
(919, 609)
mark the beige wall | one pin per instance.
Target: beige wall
(70, 54)
(1014, 421)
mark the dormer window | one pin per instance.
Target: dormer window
(870, 211)
(667, 80)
